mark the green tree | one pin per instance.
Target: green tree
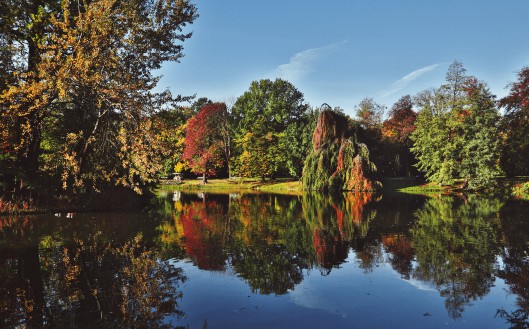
(456, 131)
(267, 120)
(370, 113)
(199, 103)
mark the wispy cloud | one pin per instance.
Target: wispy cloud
(302, 63)
(408, 78)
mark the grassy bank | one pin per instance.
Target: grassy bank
(406, 185)
(279, 185)
(517, 187)
(411, 186)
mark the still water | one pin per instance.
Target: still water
(249, 260)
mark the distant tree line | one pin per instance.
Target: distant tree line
(453, 133)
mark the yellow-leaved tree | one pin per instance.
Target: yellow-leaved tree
(83, 111)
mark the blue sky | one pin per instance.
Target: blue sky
(341, 51)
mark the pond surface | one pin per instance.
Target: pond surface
(271, 261)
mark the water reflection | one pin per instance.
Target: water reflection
(269, 240)
(62, 274)
(110, 270)
(515, 255)
(456, 243)
(448, 242)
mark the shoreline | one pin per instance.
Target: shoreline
(516, 188)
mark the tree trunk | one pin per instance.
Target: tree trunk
(29, 159)
(204, 179)
(29, 156)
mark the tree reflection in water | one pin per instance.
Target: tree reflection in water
(54, 281)
(515, 257)
(456, 243)
(100, 272)
(270, 240)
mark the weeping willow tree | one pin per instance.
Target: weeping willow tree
(338, 160)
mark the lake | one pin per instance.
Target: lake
(258, 260)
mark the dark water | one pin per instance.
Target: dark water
(271, 261)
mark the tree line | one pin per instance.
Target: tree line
(454, 133)
(79, 111)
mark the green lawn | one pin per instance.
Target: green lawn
(283, 184)
(509, 186)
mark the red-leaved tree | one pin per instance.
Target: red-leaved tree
(401, 122)
(515, 126)
(204, 146)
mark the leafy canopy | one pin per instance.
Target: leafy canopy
(269, 122)
(456, 134)
(203, 151)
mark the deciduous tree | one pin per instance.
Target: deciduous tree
(515, 126)
(204, 151)
(85, 104)
(456, 135)
(396, 132)
(370, 113)
(268, 117)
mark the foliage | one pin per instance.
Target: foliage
(170, 127)
(515, 126)
(396, 132)
(203, 151)
(370, 113)
(269, 119)
(84, 98)
(521, 190)
(338, 161)
(456, 134)
(401, 122)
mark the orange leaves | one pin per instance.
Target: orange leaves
(326, 130)
(90, 76)
(401, 123)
